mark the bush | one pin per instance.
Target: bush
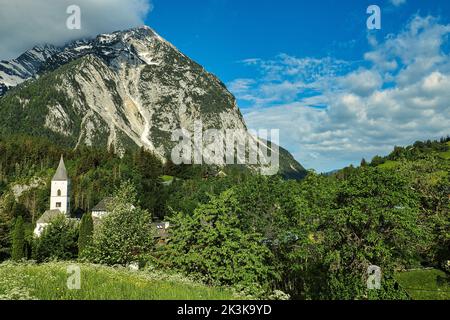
(57, 242)
(126, 234)
(210, 245)
(86, 233)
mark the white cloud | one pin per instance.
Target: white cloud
(401, 95)
(26, 23)
(362, 82)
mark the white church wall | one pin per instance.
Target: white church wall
(99, 214)
(59, 196)
(40, 227)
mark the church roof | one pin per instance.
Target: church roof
(103, 205)
(50, 215)
(61, 172)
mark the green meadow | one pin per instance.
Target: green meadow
(49, 282)
(431, 284)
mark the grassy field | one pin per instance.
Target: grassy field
(445, 155)
(49, 282)
(425, 284)
(389, 165)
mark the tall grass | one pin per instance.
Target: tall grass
(49, 282)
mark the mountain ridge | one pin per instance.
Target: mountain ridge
(126, 88)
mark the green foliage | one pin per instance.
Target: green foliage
(416, 152)
(18, 240)
(323, 233)
(184, 195)
(95, 173)
(376, 221)
(312, 239)
(211, 245)
(125, 235)
(6, 219)
(86, 233)
(57, 242)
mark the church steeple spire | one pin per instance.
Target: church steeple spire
(61, 172)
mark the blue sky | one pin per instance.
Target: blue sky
(218, 33)
(313, 70)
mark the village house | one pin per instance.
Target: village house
(101, 209)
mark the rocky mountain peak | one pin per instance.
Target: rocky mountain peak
(114, 48)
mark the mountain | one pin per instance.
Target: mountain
(28, 65)
(119, 91)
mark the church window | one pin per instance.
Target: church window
(58, 204)
(59, 193)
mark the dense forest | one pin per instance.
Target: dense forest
(311, 239)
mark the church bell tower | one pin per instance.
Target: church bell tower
(60, 191)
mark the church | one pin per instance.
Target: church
(59, 199)
(60, 205)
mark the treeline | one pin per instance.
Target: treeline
(417, 151)
(30, 162)
(94, 173)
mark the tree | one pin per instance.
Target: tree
(18, 240)
(210, 244)
(363, 163)
(86, 233)
(58, 241)
(375, 221)
(126, 234)
(376, 161)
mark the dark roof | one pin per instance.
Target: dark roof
(103, 205)
(61, 172)
(50, 215)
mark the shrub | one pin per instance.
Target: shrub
(211, 246)
(86, 233)
(58, 241)
(18, 240)
(125, 234)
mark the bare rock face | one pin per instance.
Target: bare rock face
(129, 88)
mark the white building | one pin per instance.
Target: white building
(102, 208)
(59, 199)
(45, 220)
(60, 191)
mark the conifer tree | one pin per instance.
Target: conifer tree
(86, 233)
(18, 240)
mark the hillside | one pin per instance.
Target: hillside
(418, 151)
(437, 153)
(49, 282)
